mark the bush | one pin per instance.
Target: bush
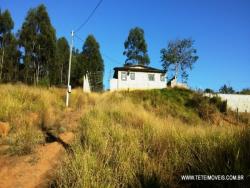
(206, 109)
(208, 90)
(221, 105)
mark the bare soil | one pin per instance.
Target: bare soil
(32, 170)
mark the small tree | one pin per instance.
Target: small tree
(179, 56)
(226, 89)
(208, 90)
(136, 47)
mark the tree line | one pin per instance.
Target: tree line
(227, 89)
(34, 55)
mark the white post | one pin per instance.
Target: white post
(70, 57)
(83, 78)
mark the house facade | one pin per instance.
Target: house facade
(137, 77)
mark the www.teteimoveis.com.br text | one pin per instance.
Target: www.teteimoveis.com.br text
(229, 177)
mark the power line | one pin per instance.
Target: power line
(79, 38)
(88, 18)
(108, 57)
(71, 48)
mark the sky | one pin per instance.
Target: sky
(220, 28)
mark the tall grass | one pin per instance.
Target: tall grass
(26, 108)
(128, 139)
(125, 143)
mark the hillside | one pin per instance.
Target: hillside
(125, 139)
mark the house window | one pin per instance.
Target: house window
(151, 77)
(162, 77)
(132, 76)
(124, 76)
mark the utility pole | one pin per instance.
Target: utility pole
(70, 57)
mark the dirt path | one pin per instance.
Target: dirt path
(32, 170)
(35, 170)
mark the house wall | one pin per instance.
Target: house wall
(113, 84)
(234, 101)
(141, 81)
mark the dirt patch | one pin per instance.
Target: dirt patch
(67, 137)
(70, 119)
(4, 129)
(32, 170)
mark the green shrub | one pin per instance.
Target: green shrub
(221, 105)
(204, 108)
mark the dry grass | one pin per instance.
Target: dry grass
(126, 139)
(26, 109)
(123, 144)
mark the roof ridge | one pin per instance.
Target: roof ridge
(145, 68)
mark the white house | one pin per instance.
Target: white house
(137, 77)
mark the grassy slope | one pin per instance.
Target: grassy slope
(138, 138)
(150, 138)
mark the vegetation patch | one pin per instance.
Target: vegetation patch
(25, 140)
(122, 142)
(129, 139)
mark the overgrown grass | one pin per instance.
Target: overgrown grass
(166, 102)
(130, 140)
(26, 109)
(25, 140)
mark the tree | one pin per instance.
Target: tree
(38, 38)
(245, 91)
(28, 40)
(208, 90)
(226, 89)
(6, 25)
(179, 56)
(11, 59)
(62, 58)
(93, 63)
(77, 68)
(136, 47)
